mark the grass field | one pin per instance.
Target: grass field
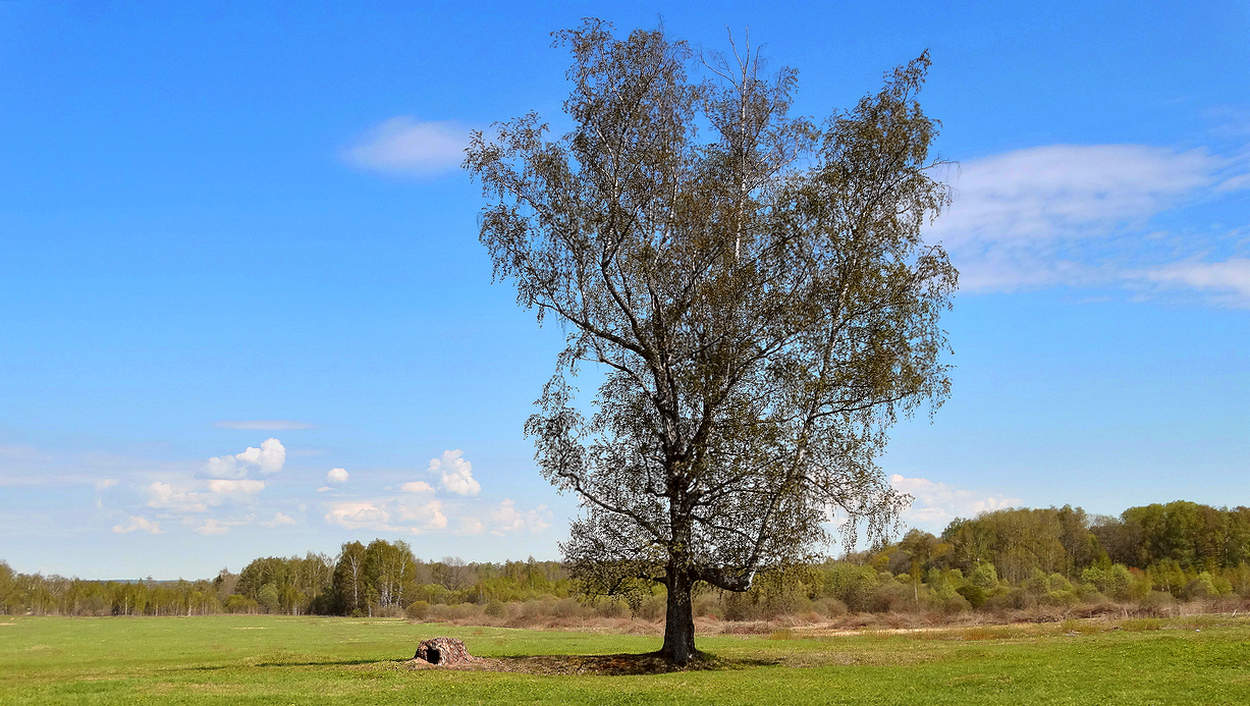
(257, 659)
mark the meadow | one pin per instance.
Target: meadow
(274, 659)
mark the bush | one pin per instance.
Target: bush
(830, 607)
(496, 609)
(611, 608)
(974, 594)
(852, 585)
(707, 605)
(1157, 602)
(891, 596)
(651, 608)
(418, 610)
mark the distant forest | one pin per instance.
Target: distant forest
(1016, 559)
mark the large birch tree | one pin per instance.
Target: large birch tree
(753, 287)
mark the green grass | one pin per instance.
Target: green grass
(317, 660)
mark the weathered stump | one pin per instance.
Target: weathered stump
(443, 650)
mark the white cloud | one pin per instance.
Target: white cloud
(936, 504)
(1228, 280)
(405, 145)
(358, 515)
(455, 473)
(263, 425)
(324, 489)
(136, 523)
(224, 467)
(417, 486)
(388, 515)
(235, 488)
(198, 496)
(471, 525)
(278, 520)
(427, 516)
(105, 483)
(165, 496)
(507, 519)
(212, 526)
(337, 475)
(269, 458)
(1025, 218)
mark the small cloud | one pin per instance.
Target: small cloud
(105, 483)
(507, 519)
(212, 527)
(404, 145)
(263, 425)
(417, 486)
(388, 515)
(198, 496)
(324, 489)
(337, 475)
(278, 520)
(358, 515)
(471, 525)
(269, 458)
(455, 472)
(428, 516)
(165, 496)
(235, 488)
(137, 524)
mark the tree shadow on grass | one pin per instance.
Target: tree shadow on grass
(327, 663)
(606, 665)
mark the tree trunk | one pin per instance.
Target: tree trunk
(679, 620)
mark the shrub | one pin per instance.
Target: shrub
(651, 608)
(496, 609)
(1157, 602)
(974, 594)
(852, 585)
(890, 597)
(418, 610)
(830, 607)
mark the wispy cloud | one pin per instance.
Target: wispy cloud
(387, 515)
(279, 519)
(405, 145)
(1227, 281)
(1072, 214)
(137, 524)
(196, 496)
(507, 519)
(263, 425)
(417, 486)
(935, 503)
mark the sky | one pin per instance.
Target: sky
(244, 310)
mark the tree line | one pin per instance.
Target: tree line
(1013, 558)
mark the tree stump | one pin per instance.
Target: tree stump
(443, 650)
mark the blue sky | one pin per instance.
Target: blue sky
(225, 225)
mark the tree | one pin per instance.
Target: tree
(760, 304)
(348, 583)
(921, 550)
